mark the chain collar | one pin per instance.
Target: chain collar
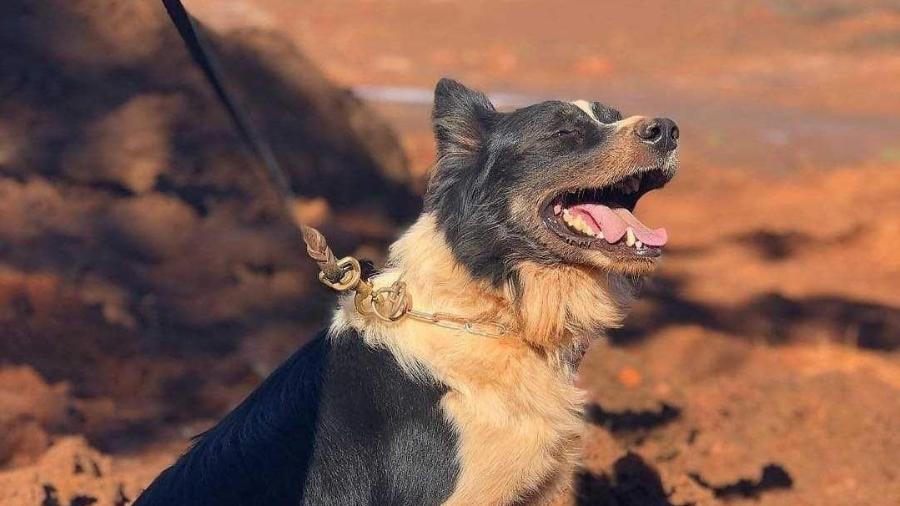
(393, 303)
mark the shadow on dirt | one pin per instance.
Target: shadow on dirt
(142, 258)
(51, 498)
(120, 170)
(73, 87)
(769, 245)
(635, 482)
(777, 246)
(628, 421)
(632, 482)
(774, 477)
(771, 317)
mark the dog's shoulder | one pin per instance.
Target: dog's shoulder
(406, 446)
(339, 423)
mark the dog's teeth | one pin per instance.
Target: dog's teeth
(577, 223)
(630, 239)
(639, 245)
(599, 235)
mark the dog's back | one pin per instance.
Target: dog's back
(338, 423)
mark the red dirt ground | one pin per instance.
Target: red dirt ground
(760, 366)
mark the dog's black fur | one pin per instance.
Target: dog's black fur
(338, 424)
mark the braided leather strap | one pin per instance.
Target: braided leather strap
(317, 249)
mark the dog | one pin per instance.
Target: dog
(528, 224)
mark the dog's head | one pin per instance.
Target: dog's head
(552, 183)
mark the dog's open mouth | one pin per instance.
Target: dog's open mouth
(602, 219)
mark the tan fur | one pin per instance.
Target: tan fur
(564, 303)
(511, 399)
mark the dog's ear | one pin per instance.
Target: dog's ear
(461, 118)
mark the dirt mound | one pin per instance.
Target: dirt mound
(146, 273)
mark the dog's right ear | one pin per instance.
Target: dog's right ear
(461, 118)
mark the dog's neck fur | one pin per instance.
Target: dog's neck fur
(552, 311)
(511, 399)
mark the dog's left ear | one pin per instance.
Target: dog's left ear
(461, 118)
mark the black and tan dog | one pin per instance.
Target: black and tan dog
(528, 223)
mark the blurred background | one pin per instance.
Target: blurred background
(148, 281)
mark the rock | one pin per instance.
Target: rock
(138, 241)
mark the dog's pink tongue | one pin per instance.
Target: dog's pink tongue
(614, 222)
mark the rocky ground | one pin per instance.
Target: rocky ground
(147, 282)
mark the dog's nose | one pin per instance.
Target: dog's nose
(661, 133)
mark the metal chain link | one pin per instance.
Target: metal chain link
(393, 303)
(449, 321)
